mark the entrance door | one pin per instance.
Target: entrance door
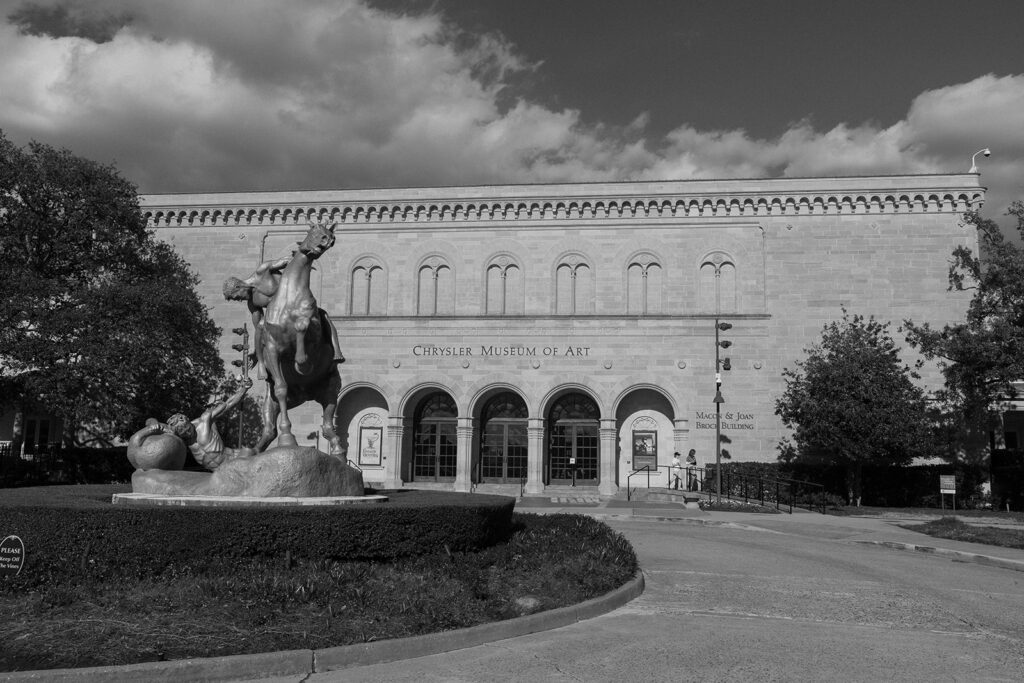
(503, 445)
(434, 439)
(574, 441)
(503, 452)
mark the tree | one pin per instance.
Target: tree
(982, 356)
(853, 402)
(99, 322)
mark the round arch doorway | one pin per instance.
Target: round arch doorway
(434, 439)
(503, 440)
(574, 443)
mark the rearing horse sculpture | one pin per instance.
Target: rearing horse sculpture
(297, 349)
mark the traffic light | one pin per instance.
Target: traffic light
(242, 347)
(724, 364)
(720, 364)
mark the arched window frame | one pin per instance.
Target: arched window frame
(435, 264)
(643, 261)
(718, 260)
(373, 271)
(574, 262)
(503, 263)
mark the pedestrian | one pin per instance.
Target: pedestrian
(691, 470)
(677, 466)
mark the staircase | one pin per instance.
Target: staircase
(688, 499)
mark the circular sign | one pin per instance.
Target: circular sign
(12, 556)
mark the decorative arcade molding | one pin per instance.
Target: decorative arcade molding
(233, 210)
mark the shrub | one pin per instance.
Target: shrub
(69, 546)
(259, 606)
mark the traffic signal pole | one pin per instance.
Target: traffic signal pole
(243, 364)
(719, 400)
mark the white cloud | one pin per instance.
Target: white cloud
(201, 96)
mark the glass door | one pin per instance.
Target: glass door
(503, 452)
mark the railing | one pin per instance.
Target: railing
(783, 493)
(684, 477)
(33, 465)
(629, 490)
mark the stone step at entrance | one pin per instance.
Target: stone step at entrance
(685, 498)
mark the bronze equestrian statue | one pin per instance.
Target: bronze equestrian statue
(295, 339)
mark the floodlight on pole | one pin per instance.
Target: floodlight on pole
(974, 164)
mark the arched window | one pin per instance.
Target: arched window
(573, 440)
(504, 289)
(718, 285)
(435, 292)
(368, 288)
(503, 439)
(434, 439)
(643, 285)
(574, 286)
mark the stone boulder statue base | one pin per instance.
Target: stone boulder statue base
(157, 452)
(281, 472)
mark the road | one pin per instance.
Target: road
(771, 600)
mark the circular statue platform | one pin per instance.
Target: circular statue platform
(155, 500)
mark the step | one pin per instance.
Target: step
(667, 495)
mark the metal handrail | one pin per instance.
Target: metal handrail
(689, 478)
(785, 490)
(645, 468)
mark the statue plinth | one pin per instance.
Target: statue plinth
(283, 471)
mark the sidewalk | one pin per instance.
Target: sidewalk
(867, 529)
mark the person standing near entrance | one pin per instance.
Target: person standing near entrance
(691, 470)
(677, 466)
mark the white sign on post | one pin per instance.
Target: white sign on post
(947, 483)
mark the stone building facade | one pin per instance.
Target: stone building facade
(565, 332)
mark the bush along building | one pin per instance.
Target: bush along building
(559, 334)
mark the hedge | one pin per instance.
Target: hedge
(884, 486)
(80, 545)
(72, 464)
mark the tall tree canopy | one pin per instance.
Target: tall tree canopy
(983, 355)
(852, 401)
(100, 323)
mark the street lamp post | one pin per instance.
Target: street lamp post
(974, 164)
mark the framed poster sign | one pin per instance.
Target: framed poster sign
(645, 450)
(369, 445)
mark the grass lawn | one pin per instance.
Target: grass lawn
(956, 530)
(1013, 517)
(253, 606)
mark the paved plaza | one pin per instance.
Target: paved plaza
(803, 597)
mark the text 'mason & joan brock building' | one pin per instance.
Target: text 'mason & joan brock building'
(499, 332)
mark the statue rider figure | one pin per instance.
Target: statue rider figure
(257, 290)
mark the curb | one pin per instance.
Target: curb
(228, 668)
(1001, 562)
(306, 662)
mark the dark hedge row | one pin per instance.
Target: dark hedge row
(62, 465)
(71, 546)
(912, 486)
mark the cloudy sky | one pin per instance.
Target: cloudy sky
(204, 96)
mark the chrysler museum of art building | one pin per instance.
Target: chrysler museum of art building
(501, 333)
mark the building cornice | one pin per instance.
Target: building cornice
(703, 199)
